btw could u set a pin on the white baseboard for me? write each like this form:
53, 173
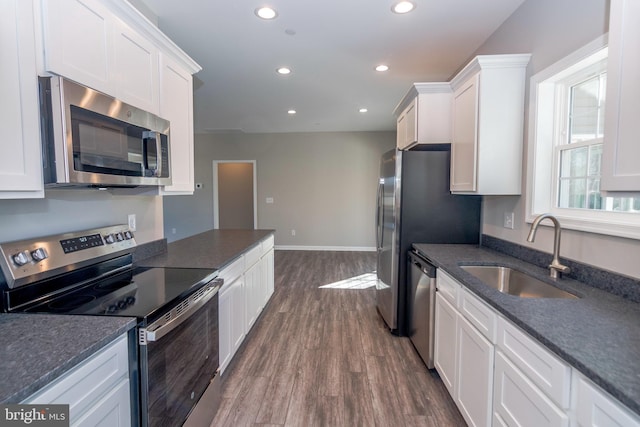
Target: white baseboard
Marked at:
325, 248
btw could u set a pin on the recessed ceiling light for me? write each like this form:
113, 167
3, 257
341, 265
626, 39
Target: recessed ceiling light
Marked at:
292, 112
284, 70
403, 6
382, 67
363, 110
266, 13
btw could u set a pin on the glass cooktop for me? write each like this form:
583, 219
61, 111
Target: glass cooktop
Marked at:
140, 292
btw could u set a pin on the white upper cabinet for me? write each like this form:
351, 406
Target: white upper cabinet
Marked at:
176, 105
86, 42
487, 125
20, 158
136, 67
620, 165
424, 115
77, 37
111, 47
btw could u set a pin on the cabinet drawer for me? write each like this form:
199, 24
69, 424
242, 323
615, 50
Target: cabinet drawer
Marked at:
518, 402
85, 383
231, 271
544, 369
479, 314
252, 255
267, 244
448, 287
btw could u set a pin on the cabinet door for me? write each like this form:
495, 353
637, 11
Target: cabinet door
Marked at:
136, 68
407, 126
518, 402
465, 136
474, 375
238, 314
77, 42
268, 274
620, 166
112, 410
594, 407
224, 327
20, 159
176, 105
253, 294
446, 326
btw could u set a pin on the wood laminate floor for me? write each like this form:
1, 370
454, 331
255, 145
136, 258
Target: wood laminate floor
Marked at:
322, 356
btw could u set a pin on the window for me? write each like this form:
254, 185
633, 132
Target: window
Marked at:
566, 140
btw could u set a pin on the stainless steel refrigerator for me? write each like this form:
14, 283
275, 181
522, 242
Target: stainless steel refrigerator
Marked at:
416, 206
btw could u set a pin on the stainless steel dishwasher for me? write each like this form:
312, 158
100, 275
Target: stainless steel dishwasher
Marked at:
421, 304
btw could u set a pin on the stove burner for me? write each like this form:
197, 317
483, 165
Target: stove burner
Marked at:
70, 304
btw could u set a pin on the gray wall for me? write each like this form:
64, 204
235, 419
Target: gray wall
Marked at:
78, 209
550, 30
323, 186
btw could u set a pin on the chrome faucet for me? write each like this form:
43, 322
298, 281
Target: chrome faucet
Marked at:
555, 266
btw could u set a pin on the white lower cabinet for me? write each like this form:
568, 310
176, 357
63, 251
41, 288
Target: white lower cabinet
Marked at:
499, 375
248, 285
594, 407
518, 402
254, 301
97, 390
446, 329
475, 374
463, 353
231, 313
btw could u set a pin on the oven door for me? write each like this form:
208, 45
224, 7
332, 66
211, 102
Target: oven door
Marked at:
179, 358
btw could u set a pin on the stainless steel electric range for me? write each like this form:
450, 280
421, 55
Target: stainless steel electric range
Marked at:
175, 358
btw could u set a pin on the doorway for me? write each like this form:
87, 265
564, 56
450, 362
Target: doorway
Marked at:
234, 194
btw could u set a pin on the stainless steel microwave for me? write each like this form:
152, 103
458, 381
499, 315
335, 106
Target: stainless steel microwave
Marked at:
94, 140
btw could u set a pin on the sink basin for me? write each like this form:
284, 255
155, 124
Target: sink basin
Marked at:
514, 282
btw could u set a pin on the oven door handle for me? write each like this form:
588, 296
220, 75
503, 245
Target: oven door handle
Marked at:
179, 313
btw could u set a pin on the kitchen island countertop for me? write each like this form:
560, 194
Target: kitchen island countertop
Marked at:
211, 249
598, 334
38, 348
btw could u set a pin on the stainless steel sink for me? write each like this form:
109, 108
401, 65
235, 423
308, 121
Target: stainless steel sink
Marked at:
514, 282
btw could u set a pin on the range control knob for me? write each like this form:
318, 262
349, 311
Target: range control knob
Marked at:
109, 238
39, 254
21, 258
128, 235
119, 237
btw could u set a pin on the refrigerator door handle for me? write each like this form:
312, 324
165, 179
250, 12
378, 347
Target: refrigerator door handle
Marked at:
378, 219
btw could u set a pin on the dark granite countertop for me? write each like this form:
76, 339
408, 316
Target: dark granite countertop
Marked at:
38, 348
212, 249
598, 334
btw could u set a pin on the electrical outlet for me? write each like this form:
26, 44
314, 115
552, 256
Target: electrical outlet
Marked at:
269, 200
293, 232
132, 222
509, 220
173, 231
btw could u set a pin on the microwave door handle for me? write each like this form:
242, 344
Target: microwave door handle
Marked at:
146, 136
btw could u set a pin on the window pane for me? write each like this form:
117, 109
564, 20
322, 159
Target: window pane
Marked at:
572, 193
595, 159
585, 110
594, 199
573, 162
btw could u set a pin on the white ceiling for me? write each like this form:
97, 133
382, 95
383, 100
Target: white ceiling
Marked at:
336, 45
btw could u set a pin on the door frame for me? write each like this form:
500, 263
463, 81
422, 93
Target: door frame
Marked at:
216, 203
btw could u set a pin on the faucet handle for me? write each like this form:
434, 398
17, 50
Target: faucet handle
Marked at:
555, 267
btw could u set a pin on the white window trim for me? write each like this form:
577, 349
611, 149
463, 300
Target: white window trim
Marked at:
540, 188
